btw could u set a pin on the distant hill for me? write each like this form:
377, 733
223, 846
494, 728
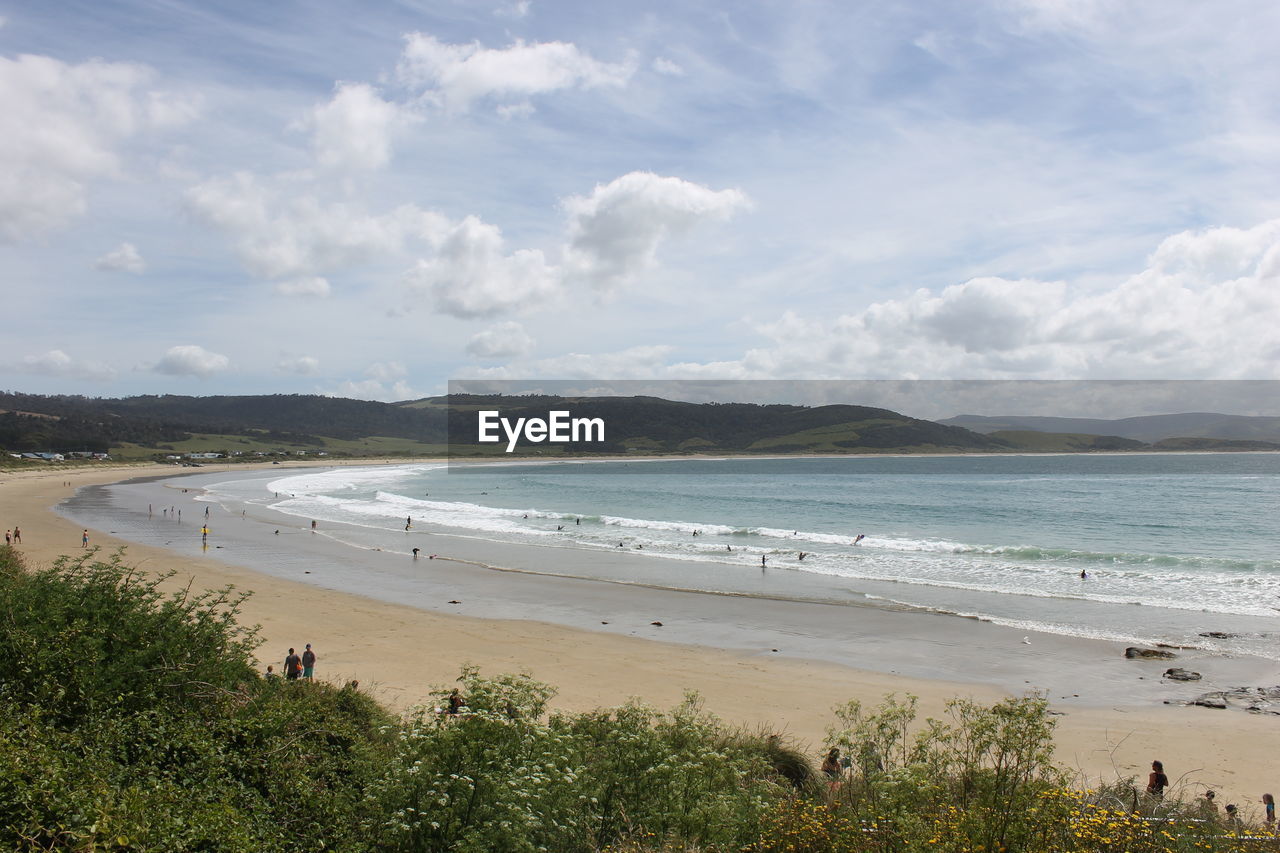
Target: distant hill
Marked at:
1149, 428
154, 425
651, 424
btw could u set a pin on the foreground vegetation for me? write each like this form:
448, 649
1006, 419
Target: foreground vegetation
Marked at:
132, 719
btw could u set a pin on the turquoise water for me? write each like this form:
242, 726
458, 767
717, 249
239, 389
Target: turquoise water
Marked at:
1000, 537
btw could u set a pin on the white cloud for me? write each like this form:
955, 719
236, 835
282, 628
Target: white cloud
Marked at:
354, 128
472, 276
124, 258
504, 340
1203, 308
279, 235
59, 130
303, 365
667, 67
311, 286
454, 75
614, 233
191, 360
55, 362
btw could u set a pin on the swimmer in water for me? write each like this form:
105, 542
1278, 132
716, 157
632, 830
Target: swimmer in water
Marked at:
861, 536
803, 555
1084, 575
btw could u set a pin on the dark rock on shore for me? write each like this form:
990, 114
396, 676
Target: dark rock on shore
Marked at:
1179, 674
1255, 700
1218, 635
1135, 653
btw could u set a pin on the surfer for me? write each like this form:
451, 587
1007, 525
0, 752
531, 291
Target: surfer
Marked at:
577, 521
1084, 575
803, 555
415, 553
763, 561
861, 536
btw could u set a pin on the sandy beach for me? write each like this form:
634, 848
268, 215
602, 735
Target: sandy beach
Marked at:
407, 639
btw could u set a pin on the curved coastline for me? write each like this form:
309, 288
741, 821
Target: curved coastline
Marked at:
1112, 727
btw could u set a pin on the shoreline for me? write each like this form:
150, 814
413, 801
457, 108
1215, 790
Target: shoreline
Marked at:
399, 649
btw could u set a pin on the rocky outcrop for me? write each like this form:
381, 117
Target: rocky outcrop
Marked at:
1255, 700
1180, 674
1135, 653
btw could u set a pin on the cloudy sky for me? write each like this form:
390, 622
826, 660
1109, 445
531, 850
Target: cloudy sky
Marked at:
368, 199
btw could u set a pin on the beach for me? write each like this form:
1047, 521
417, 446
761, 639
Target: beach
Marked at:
407, 636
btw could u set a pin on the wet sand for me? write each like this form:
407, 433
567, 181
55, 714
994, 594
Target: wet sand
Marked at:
400, 635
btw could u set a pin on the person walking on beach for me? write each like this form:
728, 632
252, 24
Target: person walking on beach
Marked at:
1270, 803
84, 539
1157, 781
17, 535
8, 538
308, 662
292, 666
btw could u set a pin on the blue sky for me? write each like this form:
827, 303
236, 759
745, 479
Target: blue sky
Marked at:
370, 199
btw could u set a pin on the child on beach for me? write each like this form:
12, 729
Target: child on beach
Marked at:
1270, 802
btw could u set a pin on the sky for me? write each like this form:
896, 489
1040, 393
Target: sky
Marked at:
370, 199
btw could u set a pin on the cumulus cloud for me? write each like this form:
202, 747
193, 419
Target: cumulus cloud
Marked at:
354, 128
55, 362
472, 275
312, 286
279, 235
303, 365
191, 360
62, 127
614, 232
455, 75
1203, 308
124, 258
504, 340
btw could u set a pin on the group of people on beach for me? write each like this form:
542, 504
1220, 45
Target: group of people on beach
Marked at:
1158, 781
296, 665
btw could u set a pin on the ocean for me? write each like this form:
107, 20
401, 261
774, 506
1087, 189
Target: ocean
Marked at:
1173, 546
